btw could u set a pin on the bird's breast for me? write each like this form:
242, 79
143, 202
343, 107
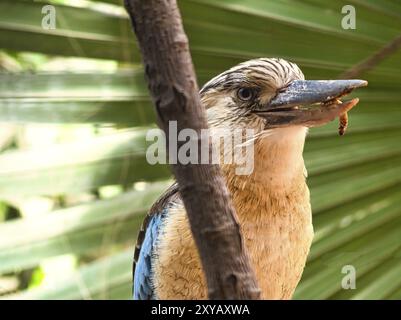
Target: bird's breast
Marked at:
278, 234
277, 230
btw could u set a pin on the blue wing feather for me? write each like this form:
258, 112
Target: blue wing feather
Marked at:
143, 286
145, 250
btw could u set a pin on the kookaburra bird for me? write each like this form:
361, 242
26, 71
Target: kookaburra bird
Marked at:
271, 97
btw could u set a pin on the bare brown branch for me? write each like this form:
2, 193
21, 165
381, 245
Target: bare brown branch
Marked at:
171, 79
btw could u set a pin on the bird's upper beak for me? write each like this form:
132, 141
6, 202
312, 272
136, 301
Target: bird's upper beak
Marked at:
309, 103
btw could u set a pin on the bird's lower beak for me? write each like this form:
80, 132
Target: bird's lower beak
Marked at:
309, 103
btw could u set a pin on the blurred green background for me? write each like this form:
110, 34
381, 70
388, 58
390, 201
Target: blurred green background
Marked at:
74, 108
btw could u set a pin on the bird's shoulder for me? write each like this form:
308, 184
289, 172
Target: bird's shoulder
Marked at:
147, 237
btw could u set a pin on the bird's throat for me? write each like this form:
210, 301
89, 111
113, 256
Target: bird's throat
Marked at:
278, 163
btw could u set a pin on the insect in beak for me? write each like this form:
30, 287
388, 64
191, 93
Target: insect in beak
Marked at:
310, 103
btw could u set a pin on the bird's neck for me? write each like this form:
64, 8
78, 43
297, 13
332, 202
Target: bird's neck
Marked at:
278, 166
274, 212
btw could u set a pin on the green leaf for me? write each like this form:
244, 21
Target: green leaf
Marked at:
109, 278
92, 226
73, 167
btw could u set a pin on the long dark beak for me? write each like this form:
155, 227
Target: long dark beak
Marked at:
309, 102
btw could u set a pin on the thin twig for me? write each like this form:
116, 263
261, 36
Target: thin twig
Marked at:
372, 61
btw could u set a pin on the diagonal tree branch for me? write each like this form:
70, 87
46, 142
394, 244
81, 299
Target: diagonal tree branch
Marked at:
372, 61
172, 83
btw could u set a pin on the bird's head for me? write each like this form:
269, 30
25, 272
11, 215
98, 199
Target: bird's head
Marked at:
272, 97
265, 94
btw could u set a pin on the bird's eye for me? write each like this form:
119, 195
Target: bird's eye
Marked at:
245, 94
